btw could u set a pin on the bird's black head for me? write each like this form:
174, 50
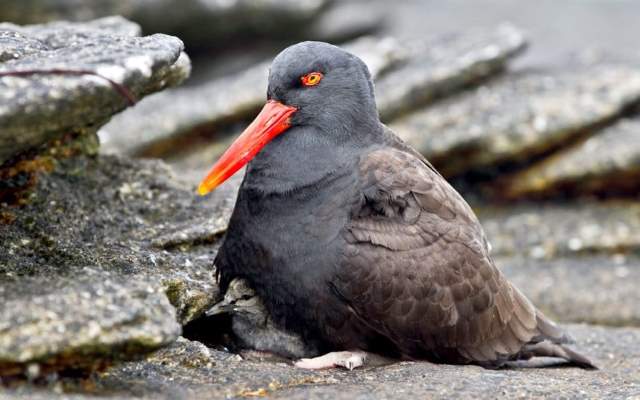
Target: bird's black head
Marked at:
323, 97
328, 86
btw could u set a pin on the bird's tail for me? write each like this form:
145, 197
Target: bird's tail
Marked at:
552, 342
549, 349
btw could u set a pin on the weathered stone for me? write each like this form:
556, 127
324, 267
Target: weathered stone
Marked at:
189, 370
519, 116
441, 65
16, 45
606, 163
83, 320
153, 127
200, 23
544, 231
39, 107
597, 289
61, 34
345, 20
131, 218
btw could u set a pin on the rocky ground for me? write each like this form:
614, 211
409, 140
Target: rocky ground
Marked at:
105, 258
188, 369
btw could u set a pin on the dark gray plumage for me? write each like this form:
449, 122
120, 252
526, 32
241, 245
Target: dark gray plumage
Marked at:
355, 242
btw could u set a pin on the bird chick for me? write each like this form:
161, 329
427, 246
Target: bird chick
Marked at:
253, 327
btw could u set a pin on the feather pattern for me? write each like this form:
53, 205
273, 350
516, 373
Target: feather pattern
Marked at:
417, 267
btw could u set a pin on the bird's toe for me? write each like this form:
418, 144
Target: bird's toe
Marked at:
346, 359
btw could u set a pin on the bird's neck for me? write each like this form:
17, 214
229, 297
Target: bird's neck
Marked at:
301, 157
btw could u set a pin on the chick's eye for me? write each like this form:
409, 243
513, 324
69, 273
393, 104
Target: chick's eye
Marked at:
311, 79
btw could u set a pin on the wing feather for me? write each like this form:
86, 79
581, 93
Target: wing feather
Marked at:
419, 267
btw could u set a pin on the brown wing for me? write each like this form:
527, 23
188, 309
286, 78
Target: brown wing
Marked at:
416, 267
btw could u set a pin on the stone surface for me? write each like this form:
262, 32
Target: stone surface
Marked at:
38, 108
131, 220
441, 65
606, 163
200, 23
515, 118
129, 217
188, 370
157, 124
596, 289
16, 45
345, 20
544, 231
83, 320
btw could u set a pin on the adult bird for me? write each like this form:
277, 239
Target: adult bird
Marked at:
354, 241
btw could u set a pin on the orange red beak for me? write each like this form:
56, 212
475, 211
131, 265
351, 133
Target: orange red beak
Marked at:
270, 122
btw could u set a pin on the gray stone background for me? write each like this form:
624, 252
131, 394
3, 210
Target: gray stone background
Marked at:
530, 108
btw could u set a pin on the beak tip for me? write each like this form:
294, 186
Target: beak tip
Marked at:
270, 122
203, 190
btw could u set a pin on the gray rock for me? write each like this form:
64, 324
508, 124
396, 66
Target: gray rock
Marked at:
157, 124
59, 34
607, 163
519, 116
188, 370
81, 321
16, 45
200, 23
596, 289
544, 231
38, 108
441, 65
132, 218
345, 20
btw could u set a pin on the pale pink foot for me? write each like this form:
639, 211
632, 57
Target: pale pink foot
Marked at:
345, 359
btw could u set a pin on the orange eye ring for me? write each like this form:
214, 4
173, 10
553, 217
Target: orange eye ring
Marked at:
312, 78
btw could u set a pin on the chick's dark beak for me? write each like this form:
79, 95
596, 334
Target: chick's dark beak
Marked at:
220, 308
270, 122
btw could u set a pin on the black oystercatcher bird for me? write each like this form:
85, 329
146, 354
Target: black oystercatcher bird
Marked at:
354, 241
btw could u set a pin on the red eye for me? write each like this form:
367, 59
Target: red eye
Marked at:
311, 79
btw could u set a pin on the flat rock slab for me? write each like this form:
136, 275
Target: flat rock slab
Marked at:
596, 289
345, 20
82, 321
189, 370
156, 125
36, 108
606, 163
516, 118
200, 23
438, 66
128, 219
543, 231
